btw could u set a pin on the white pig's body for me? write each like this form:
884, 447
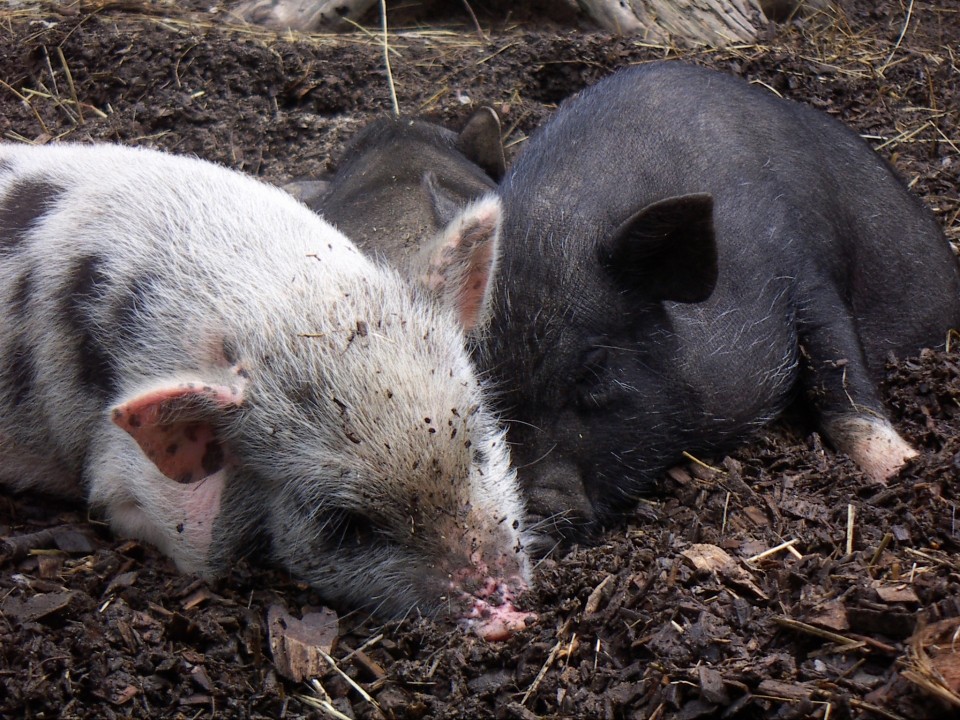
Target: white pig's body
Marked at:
285, 391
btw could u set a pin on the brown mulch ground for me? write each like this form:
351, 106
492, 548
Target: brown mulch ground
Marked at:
676, 616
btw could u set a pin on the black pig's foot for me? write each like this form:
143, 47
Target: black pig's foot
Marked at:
872, 443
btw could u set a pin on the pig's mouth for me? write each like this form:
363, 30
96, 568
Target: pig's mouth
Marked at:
491, 613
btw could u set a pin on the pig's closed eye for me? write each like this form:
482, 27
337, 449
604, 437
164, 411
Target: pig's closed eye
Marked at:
592, 365
591, 378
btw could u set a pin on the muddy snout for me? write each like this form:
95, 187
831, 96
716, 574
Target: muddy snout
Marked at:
485, 600
491, 612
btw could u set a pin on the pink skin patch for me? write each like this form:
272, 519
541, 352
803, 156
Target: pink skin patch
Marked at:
190, 511
465, 261
185, 450
496, 622
490, 611
882, 455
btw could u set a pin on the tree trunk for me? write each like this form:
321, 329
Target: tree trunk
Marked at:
693, 22
684, 22
302, 15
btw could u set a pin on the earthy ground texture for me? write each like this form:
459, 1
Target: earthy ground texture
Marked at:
779, 584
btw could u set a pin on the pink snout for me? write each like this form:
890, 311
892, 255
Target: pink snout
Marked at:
492, 614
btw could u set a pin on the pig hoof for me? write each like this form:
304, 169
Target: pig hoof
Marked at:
872, 444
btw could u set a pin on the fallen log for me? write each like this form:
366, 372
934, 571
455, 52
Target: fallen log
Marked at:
684, 22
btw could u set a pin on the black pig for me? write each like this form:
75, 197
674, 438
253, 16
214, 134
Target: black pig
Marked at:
680, 254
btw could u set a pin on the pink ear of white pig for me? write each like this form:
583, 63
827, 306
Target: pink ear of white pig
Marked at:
459, 265
174, 426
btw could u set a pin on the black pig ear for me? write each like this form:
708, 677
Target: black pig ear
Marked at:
667, 250
480, 142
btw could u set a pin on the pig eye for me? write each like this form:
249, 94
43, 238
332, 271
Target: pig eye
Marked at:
591, 379
593, 365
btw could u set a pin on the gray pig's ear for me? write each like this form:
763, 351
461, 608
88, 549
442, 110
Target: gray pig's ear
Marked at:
667, 250
459, 265
480, 142
310, 191
443, 207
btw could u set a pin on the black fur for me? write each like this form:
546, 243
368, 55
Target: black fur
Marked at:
97, 370
128, 312
22, 292
20, 373
21, 208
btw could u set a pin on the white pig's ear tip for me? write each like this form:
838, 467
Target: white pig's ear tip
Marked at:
487, 209
490, 202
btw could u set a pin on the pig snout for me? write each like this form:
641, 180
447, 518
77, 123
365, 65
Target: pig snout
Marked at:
493, 614
487, 600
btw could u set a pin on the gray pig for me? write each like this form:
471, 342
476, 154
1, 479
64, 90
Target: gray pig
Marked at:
681, 254
216, 368
400, 180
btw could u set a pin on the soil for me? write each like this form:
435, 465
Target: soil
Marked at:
678, 615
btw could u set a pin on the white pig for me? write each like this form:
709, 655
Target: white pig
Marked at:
220, 371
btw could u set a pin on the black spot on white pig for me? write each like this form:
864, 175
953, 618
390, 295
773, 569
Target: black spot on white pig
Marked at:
218, 369
400, 180
680, 254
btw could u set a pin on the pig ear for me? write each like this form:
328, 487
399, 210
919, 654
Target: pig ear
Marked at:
458, 266
480, 142
175, 426
667, 250
443, 206
307, 190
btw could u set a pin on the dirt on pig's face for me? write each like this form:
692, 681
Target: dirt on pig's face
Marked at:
381, 494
